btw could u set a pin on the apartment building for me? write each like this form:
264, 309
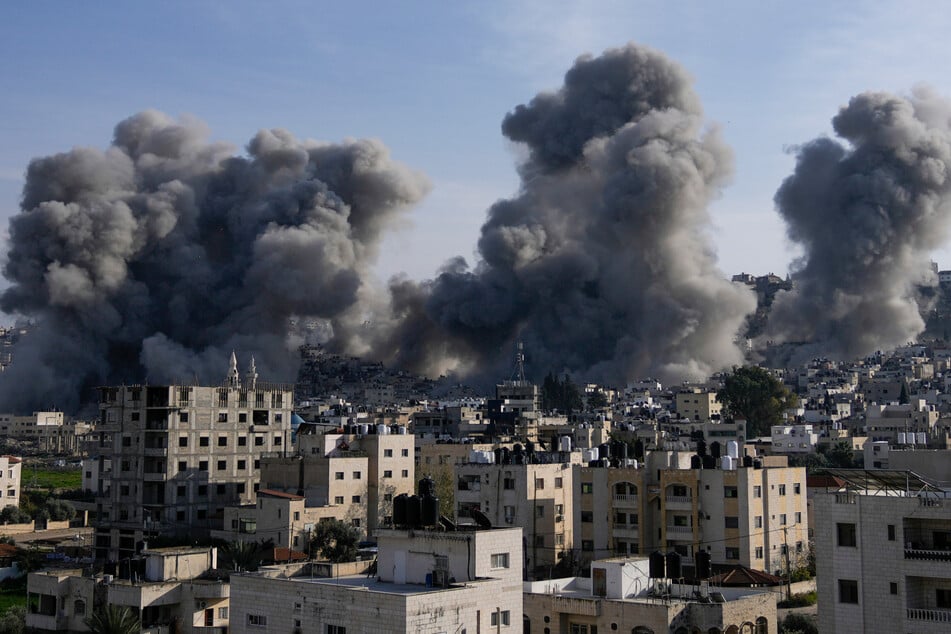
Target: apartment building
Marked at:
620, 596
536, 497
460, 580
46, 432
739, 514
177, 455
883, 551
172, 591
793, 439
698, 404
10, 473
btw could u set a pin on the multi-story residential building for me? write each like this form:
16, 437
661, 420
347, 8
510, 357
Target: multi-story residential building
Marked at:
537, 497
10, 473
883, 552
740, 514
794, 439
46, 432
887, 422
698, 404
168, 592
179, 454
426, 581
620, 596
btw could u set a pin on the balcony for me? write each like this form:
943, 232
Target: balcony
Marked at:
625, 500
626, 530
921, 554
684, 502
154, 476
158, 452
679, 532
928, 614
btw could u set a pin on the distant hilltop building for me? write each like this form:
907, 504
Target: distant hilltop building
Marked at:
172, 457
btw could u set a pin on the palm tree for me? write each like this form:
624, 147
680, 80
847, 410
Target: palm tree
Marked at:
113, 619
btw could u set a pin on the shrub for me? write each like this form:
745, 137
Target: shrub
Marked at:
799, 600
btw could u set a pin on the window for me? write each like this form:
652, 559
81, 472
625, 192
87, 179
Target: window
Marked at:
277, 439
203, 441
222, 465
586, 487
259, 441
221, 489
183, 441
757, 491
539, 511
180, 491
845, 534
559, 483
539, 483
500, 560
797, 488
257, 620
732, 553
183, 417
338, 475
338, 499
848, 591
355, 522
759, 552
356, 499
242, 465
729, 492
203, 465
387, 453
798, 517
500, 617
731, 521
891, 532
79, 607
943, 598
222, 441
356, 475
758, 521
587, 516
336, 629
782, 489
388, 474
127, 441
243, 417
296, 516
587, 545
508, 484
222, 417
404, 453
242, 441
893, 588
782, 519
405, 473
222, 613
202, 489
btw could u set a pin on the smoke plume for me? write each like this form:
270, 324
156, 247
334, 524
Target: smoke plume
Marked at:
157, 257
867, 214
601, 263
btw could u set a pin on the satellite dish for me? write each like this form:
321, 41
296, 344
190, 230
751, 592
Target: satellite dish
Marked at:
481, 519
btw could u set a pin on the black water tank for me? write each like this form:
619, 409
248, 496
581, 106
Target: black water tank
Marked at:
757, 463
709, 462
673, 565
399, 510
715, 448
412, 511
747, 460
427, 487
639, 449
702, 447
703, 564
656, 565
696, 462
499, 454
506, 456
429, 510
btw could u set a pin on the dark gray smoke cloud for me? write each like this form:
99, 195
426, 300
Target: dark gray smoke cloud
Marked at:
601, 263
157, 257
868, 214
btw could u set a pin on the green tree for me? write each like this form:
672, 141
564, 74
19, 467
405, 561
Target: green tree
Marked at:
60, 510
29, 559
444, 477
903, 396
13, 515
336, 541
239, 556
13, 620
752, 393
798, 624
841, 455
597, 400
113, 619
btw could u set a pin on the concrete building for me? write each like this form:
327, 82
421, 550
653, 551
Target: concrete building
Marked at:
887, 422
10, 474
426, 581
740, 515
177, 455
45, 432
698, 404
620, 596
794, 439
172, 593
883, 551
536, 497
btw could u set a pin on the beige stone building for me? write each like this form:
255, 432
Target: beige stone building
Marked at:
426, 581
737, 514
47, 432
172, 593
883, 552
10, 474
698, 404
536, 497
619, 596
174, 456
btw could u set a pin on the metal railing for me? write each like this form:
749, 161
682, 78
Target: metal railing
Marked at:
927, 614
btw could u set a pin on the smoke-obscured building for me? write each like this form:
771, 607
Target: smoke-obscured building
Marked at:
174, 456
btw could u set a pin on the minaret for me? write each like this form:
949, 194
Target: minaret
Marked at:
251, 378
234, 379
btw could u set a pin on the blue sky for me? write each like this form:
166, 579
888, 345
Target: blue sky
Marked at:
433, 80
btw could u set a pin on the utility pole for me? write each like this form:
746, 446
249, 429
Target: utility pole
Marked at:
788, 571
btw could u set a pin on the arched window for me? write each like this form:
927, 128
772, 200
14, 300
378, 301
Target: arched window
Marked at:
714, 630
526, 624
732, 630
79, 607
762, 625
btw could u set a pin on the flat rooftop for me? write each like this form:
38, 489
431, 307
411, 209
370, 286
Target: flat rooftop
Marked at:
362, 583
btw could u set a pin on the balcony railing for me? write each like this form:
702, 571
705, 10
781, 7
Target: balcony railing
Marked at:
679, 531
927, 555
625, 499
679, 501
927, 614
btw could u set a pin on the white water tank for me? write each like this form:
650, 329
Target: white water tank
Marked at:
901, 438
402, 429
382, 430
922, 438
910, 438
564, 443
733, 449
726, 463
363, 429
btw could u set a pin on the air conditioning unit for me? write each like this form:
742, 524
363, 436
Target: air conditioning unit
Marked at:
202, 604
660, 586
